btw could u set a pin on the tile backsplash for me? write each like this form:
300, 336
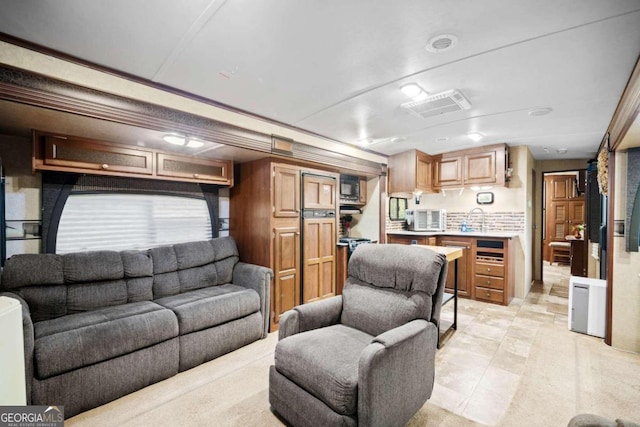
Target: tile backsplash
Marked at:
509, 222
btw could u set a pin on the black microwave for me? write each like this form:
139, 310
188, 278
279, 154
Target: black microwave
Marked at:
349, 189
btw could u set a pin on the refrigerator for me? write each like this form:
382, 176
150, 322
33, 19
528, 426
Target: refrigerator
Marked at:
319, 233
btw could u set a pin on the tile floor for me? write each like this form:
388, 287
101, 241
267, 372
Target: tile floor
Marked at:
480, 366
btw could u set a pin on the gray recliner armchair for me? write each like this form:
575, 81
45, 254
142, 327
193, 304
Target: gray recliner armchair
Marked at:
366, 357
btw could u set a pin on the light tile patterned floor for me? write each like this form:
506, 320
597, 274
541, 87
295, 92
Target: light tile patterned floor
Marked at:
480, 366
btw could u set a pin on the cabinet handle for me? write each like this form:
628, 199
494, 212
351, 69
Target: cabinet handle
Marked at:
488, 282
195, 175
488, 294
104, 166
488, 269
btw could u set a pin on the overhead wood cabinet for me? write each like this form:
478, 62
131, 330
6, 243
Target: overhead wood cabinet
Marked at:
80, 155
265, 220
478, 166
410, 171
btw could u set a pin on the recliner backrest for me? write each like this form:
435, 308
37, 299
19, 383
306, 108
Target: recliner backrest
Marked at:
389, 285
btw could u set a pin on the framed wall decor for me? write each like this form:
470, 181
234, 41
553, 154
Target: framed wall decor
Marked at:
484, 198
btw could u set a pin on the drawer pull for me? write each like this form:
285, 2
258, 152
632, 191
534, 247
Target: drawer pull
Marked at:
488, 269
488, 294
488, 282
195, 175
104, 166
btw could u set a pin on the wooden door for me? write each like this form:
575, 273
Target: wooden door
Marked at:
319, 192
319, 264
464, 266
424, 172
480, 168
286, 269
286, 192
448, 172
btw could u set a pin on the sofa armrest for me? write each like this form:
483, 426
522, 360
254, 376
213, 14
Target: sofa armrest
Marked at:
258, 278
396, 373
314, 315
29, 337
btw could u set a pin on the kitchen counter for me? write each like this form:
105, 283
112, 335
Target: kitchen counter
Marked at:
496, 234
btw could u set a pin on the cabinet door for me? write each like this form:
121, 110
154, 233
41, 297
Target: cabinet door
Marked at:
576, 212
319, 192
407, 240
464, 266
559, 221
480, 168
68, 154
424, 172
448, 172
286, 270
191, 168
363, 191
319, 261
561, 187
286, 192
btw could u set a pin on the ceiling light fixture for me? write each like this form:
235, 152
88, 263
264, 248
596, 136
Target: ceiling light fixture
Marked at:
441, 43
540, 111
413, 91
183, 141
561, 150
475, 136
442, 139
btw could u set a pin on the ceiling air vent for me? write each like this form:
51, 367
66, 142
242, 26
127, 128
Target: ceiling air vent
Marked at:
442, 103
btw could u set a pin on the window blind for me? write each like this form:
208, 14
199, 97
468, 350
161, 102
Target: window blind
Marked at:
107, 221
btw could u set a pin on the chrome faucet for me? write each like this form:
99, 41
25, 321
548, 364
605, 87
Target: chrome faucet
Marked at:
482, 228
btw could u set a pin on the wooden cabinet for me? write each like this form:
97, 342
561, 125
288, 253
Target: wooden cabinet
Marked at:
342, 255
363, 191
448, 172
410, 171
70, 154
485, 270
464, 264
493, 271
319, 259
411, 240
479, 166
188, 168
319, 192
265, 220
79, 155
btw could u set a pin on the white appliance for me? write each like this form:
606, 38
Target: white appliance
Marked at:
12, 383
587, 305
426, 219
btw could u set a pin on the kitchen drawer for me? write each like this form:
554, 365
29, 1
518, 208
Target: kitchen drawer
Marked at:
491, 295
489, 282
496, 270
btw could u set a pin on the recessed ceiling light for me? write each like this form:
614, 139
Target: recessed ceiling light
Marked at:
441, 43
194, 143
174, 139
546, 149
475, 136
397, 139
561, 150
442, 139
412, 90
540, 111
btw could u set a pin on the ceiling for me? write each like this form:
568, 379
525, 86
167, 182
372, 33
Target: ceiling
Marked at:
336, 68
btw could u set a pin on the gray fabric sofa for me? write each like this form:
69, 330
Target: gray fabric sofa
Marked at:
366, 357
99, 325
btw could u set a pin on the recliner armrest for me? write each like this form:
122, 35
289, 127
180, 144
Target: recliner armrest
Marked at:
29, 337
396, 374
258, 278
310, 316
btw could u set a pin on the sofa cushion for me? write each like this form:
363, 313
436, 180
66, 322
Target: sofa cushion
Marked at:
325, 363
212, 306
82, 339
375, 310
32, 270
92, 266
